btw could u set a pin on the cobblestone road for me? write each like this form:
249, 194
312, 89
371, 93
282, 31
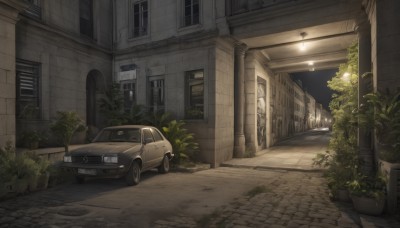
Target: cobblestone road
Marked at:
262, 199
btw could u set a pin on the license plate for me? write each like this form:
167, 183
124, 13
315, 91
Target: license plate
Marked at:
87, 171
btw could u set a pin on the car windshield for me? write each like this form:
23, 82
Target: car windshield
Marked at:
119, 135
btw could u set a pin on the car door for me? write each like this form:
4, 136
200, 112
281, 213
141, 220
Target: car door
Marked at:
150, 149
161, 147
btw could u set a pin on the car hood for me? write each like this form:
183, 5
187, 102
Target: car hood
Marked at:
107, 148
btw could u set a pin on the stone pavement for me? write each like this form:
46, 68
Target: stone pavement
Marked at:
272, 198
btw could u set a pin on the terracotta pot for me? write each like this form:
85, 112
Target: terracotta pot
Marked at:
368, 206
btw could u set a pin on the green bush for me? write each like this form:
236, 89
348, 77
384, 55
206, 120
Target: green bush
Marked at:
65, 126
183, 143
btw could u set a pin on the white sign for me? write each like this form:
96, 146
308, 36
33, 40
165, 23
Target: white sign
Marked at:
126, 75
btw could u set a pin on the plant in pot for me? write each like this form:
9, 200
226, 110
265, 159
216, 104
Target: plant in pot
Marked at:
66, 125
368, 194
31, 139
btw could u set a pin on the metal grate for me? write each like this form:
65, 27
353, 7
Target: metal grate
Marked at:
87, 159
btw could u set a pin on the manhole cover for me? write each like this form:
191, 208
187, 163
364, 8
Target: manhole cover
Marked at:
73, 211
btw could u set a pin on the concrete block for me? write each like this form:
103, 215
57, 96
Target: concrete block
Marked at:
10, 106
10, 125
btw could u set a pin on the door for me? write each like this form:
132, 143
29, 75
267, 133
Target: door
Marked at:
150, 150
156, 94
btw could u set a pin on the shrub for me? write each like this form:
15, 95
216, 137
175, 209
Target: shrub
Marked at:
183, 144
65, 126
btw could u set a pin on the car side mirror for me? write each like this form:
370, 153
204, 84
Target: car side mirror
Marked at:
148, 140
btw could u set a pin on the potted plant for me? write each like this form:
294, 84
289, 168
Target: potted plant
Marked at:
31, 139
65, 126
368, 194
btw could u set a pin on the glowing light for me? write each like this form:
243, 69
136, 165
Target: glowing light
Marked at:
346, 77
311, 63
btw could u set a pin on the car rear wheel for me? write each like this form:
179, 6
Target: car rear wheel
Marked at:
164, 167
133, 176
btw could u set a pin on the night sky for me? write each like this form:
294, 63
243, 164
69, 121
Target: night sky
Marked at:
315, 82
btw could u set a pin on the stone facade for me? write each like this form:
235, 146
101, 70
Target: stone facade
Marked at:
243, 102
66, 58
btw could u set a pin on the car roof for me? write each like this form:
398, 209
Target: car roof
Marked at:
128, 126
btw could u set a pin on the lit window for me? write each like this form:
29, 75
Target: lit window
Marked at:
139, 19
194, 83
86, 17
191, 12
28, 99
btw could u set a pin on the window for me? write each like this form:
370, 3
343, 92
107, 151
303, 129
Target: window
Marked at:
194, 86
34, 10
28, 99
147, 136
156, 94
129, 93
191, 12
86, 17
139, 19
157, 136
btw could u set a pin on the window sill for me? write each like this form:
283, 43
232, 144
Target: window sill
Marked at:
190, 29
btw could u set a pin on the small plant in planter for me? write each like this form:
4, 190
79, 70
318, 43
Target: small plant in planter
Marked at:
368, 194
65, 126
31, 139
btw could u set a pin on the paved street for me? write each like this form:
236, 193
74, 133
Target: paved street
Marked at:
223, 197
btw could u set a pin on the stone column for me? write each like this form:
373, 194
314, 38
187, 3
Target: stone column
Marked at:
9, 10
364, 87
239, 147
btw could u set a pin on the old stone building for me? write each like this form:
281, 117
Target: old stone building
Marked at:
221, 65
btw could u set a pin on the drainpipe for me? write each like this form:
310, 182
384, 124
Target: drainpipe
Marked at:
239, 146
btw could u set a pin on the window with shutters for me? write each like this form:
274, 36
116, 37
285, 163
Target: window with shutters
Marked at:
28, 90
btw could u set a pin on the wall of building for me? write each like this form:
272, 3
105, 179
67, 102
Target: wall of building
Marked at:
165, 21
8, 18
65, 58
299, 108
257, 98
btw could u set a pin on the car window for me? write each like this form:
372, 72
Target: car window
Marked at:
157, 136
147, 136
119, 135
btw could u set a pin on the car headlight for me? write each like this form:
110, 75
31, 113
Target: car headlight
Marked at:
67, 159
110, 159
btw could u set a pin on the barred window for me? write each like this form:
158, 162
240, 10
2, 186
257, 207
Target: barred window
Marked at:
139, 19
194, 83
28, 99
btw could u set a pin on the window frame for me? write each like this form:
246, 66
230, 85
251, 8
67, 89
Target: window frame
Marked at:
34, 10
89, 34
36, 98
188, 95
131, 18
192, 23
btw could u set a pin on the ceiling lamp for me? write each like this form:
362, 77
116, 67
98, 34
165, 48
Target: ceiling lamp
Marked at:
311, 63
302, 44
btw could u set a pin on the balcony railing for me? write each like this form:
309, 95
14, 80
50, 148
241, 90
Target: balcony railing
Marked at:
242, 6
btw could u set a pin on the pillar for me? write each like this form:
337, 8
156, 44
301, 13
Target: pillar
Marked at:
9, 11
364, 87
239, 147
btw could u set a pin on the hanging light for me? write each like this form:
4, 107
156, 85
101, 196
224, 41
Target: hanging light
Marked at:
303, 44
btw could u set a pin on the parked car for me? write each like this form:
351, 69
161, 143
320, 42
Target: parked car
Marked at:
121, 151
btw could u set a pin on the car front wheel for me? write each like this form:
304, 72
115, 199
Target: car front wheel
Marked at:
133, 176
164, 167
